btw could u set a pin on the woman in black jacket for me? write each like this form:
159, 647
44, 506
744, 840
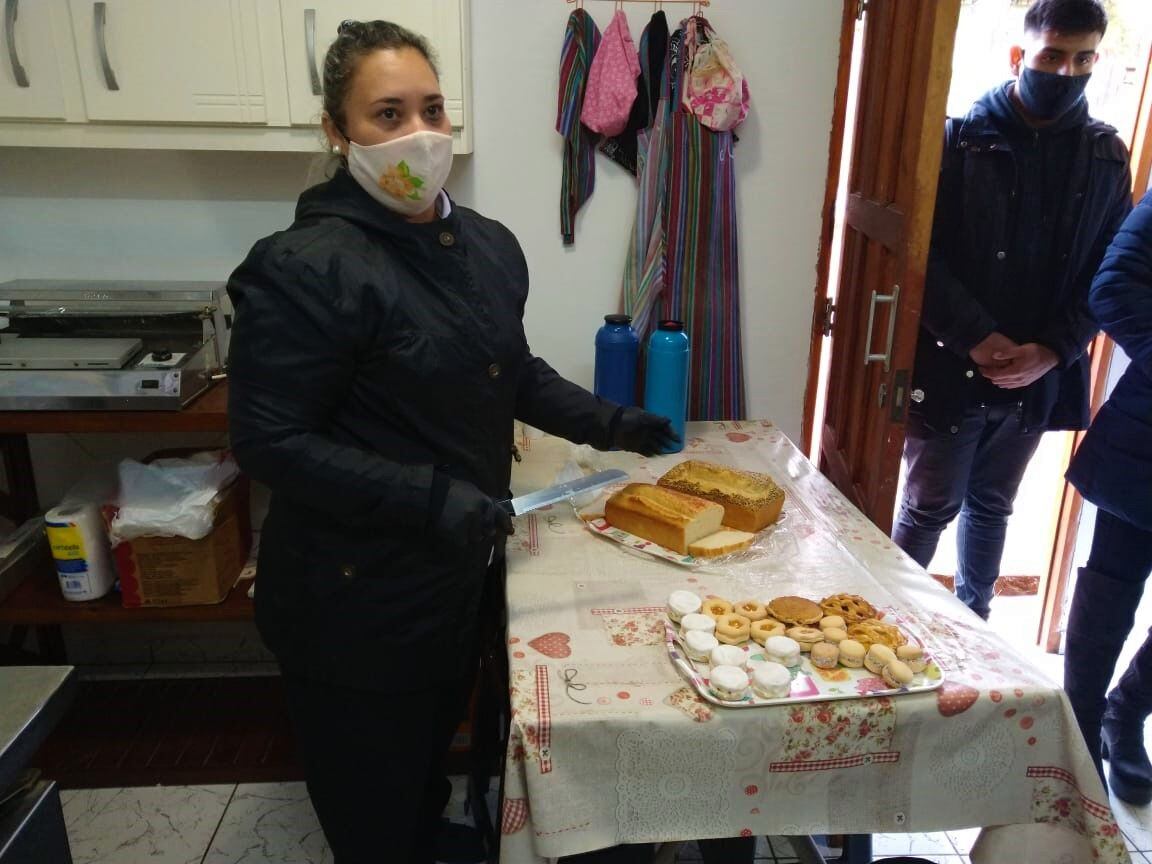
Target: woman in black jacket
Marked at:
378, 362
1113, 470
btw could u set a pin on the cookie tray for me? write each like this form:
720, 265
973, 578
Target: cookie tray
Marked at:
808, 683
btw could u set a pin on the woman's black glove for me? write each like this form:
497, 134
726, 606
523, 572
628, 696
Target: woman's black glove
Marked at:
642, 432
469, 517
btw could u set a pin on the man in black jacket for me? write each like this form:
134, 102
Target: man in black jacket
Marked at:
1031, 192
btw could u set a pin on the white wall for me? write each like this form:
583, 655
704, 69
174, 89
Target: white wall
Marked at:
146, 215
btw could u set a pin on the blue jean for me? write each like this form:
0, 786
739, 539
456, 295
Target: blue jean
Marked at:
974, 471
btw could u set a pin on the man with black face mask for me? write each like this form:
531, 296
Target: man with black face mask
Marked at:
1031, 192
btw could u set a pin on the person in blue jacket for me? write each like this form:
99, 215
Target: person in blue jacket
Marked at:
1113, 470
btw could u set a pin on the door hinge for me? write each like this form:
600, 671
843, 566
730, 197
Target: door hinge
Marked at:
829, 316
861, 8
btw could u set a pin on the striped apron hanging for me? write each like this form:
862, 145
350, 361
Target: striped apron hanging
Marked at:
581, 39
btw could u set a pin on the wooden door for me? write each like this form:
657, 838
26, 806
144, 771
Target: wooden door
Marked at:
310, 26
173, 61
906, 69
34, 46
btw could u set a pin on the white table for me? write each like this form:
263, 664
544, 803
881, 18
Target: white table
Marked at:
609, 744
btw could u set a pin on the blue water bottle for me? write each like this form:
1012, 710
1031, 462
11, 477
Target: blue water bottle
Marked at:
617, 346
666, 378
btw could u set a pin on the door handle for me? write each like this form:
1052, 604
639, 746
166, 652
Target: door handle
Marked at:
100, 12
310, 47
891, 299
11, 9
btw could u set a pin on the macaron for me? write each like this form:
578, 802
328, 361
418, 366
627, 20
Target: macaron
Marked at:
878, 657
681, 603
771, 680
699, 645
913, 655
728, 683
851, 654
835, 635
897, 674
825, 655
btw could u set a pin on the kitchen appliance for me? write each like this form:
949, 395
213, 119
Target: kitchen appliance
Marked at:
103, 345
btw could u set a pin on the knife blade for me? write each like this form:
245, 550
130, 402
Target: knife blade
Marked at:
522, 504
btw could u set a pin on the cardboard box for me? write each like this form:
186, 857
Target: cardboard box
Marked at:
176, 571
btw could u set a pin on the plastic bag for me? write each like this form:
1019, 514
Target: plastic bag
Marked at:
171, 497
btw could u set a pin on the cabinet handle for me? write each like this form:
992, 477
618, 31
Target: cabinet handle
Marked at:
100, 10
11, 8
310, 47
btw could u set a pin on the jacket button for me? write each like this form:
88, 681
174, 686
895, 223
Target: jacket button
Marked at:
939, 344
494, 370
955, 429
993, 146
1001, 255
969, 374
348, 571
917, 395
447, 238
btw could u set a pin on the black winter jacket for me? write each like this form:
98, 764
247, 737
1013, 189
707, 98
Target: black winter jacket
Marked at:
1113, 467
369, 356
1022, 221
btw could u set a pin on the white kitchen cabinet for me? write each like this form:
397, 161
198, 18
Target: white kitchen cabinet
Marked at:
310, 26
197, 74
175, 61
36, 58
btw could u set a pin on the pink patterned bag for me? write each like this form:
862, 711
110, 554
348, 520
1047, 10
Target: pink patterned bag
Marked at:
715, 89
612, 80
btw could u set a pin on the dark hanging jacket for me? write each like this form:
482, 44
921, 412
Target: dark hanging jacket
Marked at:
1023, 217
371, 359
1113, 467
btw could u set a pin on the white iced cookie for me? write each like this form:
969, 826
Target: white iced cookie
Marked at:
681, 603
729, 655
728, 683
699, 645
771, 680
782, 650
696, 621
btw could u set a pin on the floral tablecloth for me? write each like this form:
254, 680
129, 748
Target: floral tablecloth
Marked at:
610, 745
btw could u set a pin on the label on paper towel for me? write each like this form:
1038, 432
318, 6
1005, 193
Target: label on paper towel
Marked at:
70, 555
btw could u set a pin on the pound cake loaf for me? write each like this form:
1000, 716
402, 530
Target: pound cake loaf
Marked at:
750, 501
664, 516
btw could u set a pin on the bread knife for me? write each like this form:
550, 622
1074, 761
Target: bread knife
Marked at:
561, 492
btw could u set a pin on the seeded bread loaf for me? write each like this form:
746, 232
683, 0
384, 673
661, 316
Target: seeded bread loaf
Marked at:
664, 516
750, 501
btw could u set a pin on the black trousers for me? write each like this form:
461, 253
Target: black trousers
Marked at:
374, 764
973, 470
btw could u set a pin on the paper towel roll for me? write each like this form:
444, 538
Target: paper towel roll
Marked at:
80, 548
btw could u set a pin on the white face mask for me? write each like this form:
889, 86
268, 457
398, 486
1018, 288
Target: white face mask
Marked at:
405, 174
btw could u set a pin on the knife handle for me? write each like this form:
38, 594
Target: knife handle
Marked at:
506, 506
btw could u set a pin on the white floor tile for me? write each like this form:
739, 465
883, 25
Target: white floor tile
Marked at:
160, 825
963, 839
912, 844
268, 822
1135, 822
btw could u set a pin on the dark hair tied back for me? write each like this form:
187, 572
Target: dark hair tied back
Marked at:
355, 40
